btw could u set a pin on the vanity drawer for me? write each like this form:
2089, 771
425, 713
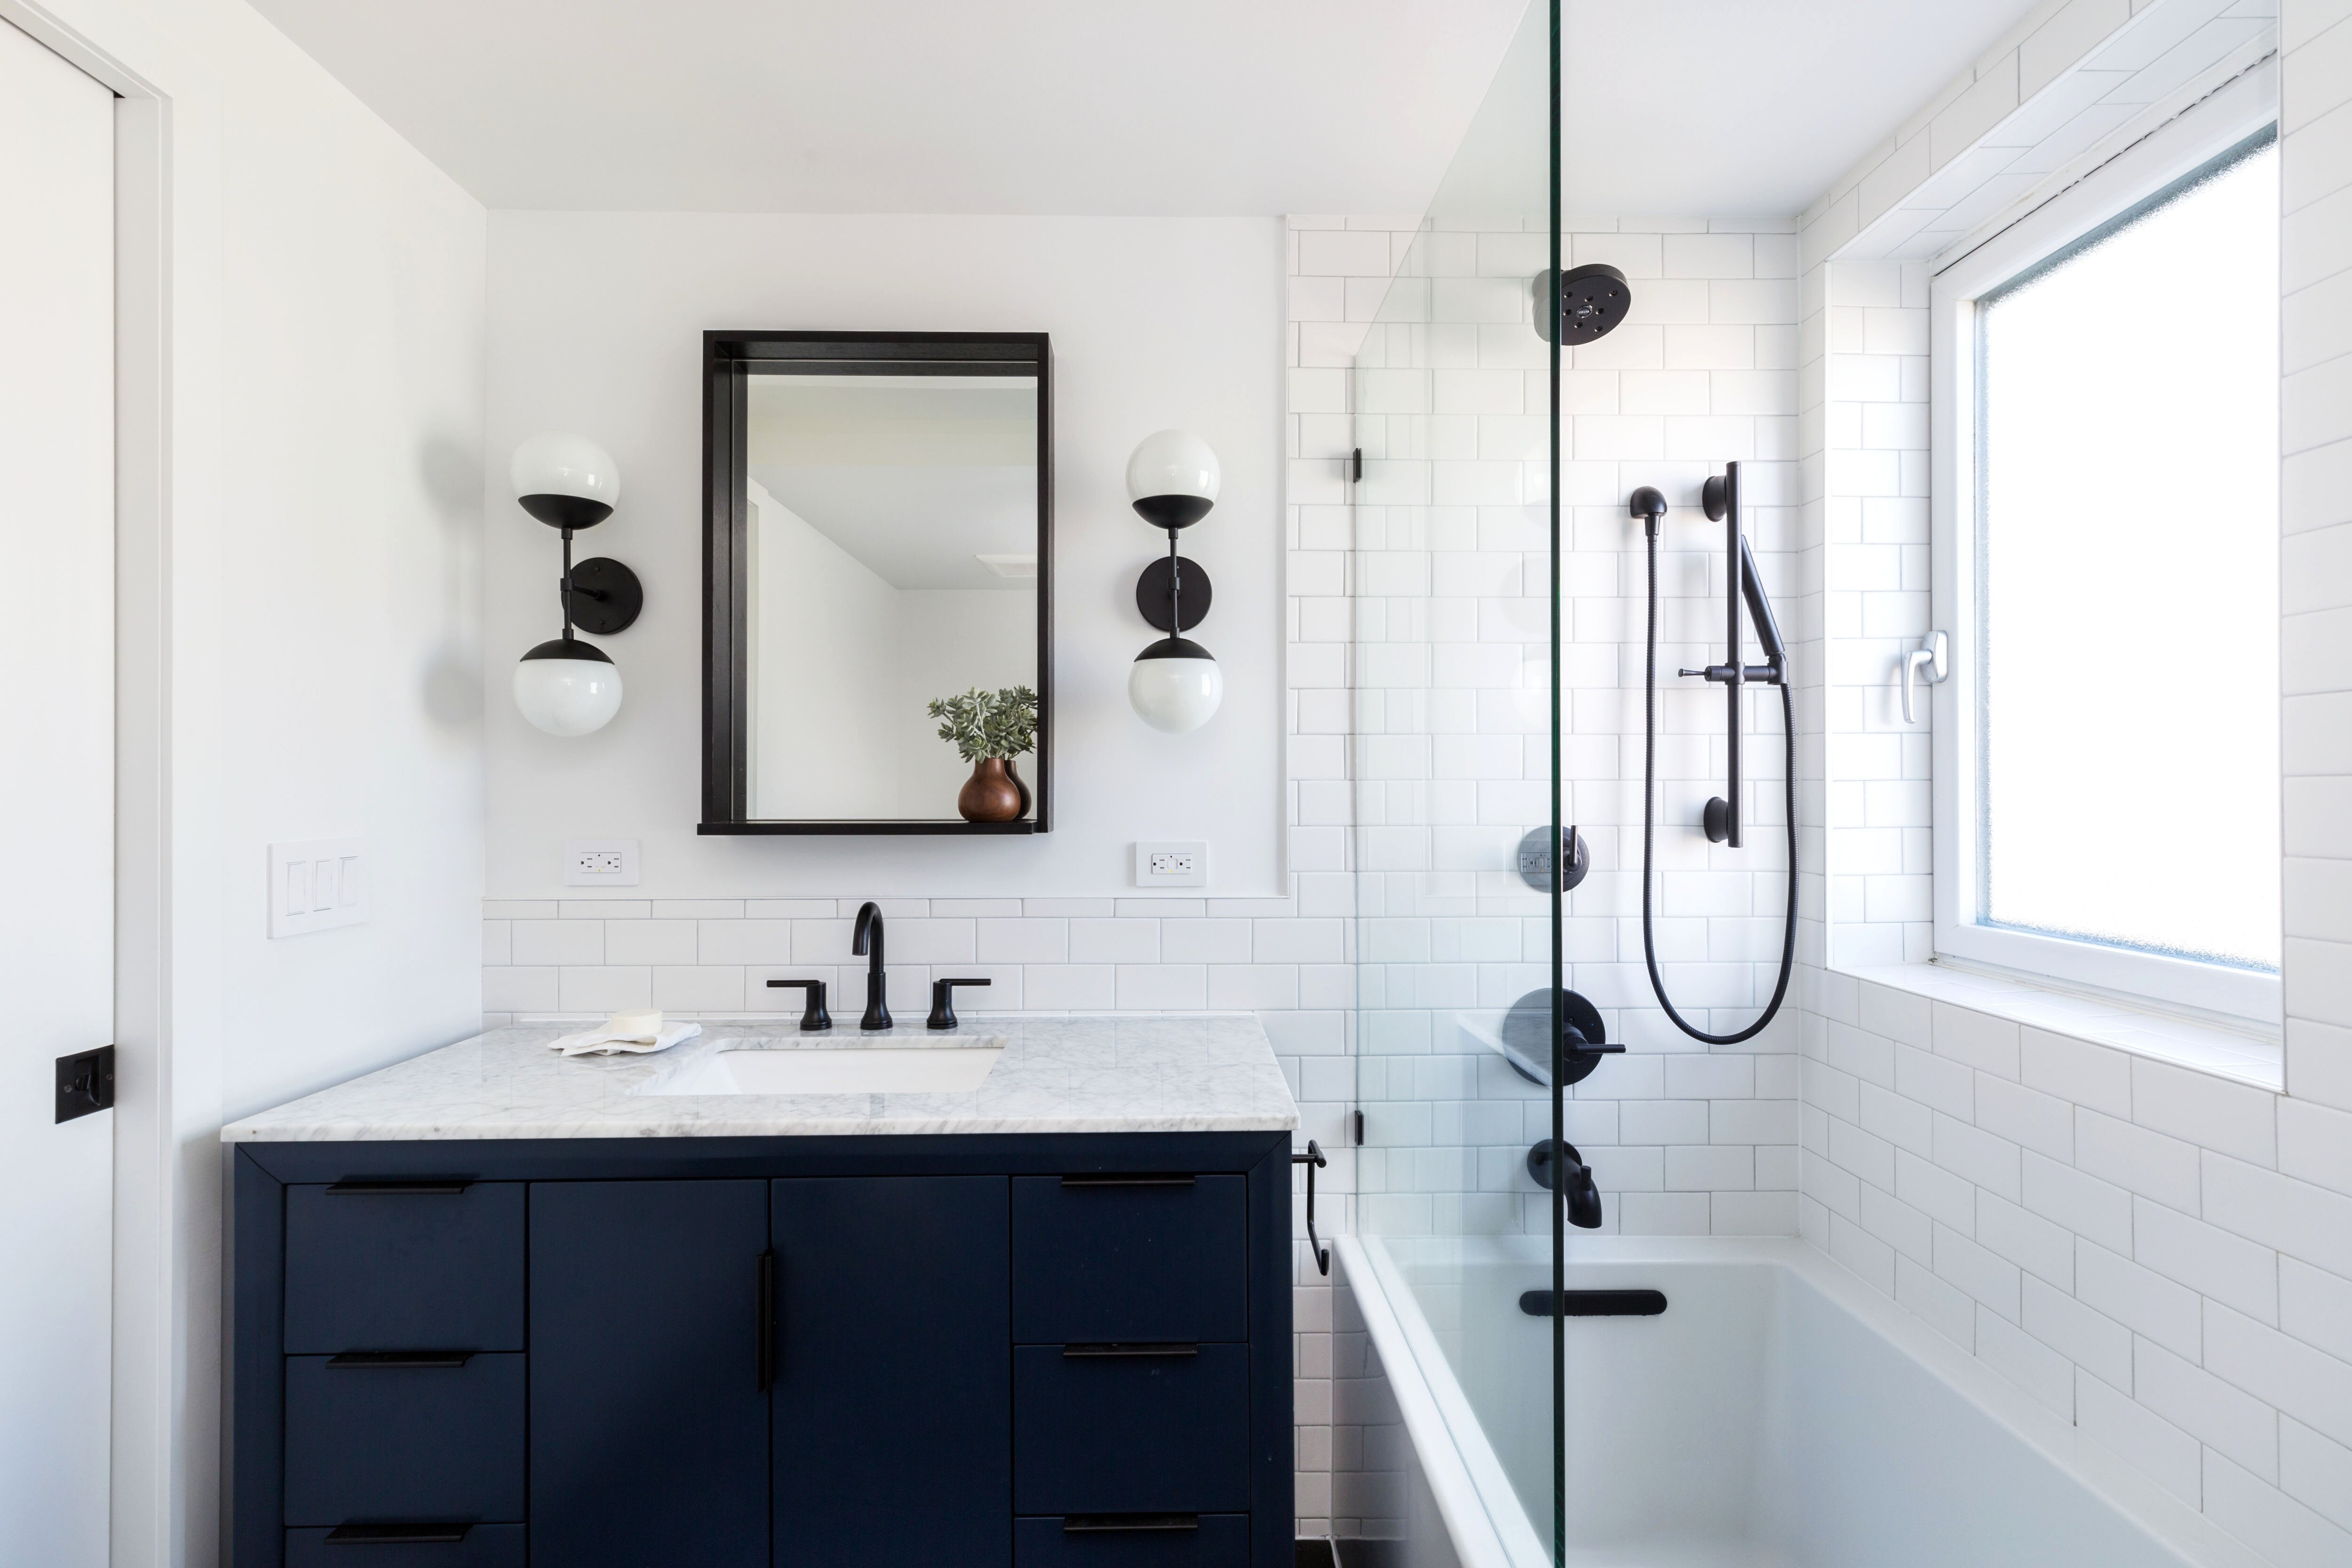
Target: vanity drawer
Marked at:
1213, 1541
420, 1266
483, 1546
1097, 1433
1127, 1257
370, 1441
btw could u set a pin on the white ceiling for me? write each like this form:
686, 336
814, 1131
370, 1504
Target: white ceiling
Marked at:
1121, 106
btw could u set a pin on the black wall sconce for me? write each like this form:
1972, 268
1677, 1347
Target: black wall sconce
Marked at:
1175, 685
564, 685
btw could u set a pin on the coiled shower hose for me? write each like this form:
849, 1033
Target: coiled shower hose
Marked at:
1649, 822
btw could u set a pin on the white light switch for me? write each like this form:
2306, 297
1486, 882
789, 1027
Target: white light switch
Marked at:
1172, 864
316, 883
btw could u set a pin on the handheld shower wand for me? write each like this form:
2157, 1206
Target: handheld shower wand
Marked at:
1721, 819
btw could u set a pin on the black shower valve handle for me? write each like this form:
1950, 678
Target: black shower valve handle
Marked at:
1573, 1041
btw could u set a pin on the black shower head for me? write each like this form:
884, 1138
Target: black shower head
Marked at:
1593, 299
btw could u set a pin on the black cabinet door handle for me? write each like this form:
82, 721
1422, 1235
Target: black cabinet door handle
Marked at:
1124, 1180
421, 1187
405, 1534
1127, 1351
1110, 1523
767, 1360
400, 1359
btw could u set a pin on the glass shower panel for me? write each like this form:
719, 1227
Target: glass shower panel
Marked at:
1454, 757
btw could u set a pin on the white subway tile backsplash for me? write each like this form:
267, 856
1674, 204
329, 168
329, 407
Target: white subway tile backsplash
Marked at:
558, 942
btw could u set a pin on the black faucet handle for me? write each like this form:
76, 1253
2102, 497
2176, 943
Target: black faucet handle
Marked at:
943, 1002
816, 1018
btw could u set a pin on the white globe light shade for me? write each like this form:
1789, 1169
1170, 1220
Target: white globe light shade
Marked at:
567, 695
1176, 691
1173, 479
558, 465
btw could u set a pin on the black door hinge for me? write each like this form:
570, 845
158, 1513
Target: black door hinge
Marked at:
85, 1083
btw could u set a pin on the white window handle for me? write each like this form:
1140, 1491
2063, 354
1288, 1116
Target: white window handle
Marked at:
1931, 662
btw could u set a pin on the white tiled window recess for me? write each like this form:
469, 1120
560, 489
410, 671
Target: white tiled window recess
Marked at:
2105, 567
1914, 412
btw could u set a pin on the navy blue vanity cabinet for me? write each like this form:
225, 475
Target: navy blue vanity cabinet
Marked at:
849, 1352
648, 1422
893, 1406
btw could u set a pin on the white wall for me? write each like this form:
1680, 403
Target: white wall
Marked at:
302, 344
596, 323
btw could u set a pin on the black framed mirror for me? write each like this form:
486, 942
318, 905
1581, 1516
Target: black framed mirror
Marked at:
877, 567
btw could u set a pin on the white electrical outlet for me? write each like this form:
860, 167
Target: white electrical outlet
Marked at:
1179, 864
316, 884
599, 862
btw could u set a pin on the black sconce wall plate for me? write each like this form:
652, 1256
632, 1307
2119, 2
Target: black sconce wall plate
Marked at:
1151, 593
606, 597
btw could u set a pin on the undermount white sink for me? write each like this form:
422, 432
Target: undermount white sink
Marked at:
850, 1069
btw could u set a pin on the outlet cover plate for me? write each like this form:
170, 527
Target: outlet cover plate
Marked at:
1172, 863
316, 884
599, 862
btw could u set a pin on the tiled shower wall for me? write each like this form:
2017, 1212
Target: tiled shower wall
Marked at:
1447, 399
2160, 1255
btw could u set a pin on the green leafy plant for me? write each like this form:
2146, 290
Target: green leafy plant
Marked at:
988, 723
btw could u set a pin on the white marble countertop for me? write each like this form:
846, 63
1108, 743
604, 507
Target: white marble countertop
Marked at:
1167, 1073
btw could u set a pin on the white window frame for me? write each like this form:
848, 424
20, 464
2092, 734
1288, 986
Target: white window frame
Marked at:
2204, 133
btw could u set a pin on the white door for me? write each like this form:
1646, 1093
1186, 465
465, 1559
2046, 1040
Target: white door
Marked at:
56, 797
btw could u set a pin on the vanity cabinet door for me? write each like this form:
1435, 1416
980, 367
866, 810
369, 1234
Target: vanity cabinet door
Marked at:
894, 1373
649, 1420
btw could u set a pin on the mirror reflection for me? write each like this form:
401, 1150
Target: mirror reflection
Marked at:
892, 538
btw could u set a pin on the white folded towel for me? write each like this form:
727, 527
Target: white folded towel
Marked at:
633, 1033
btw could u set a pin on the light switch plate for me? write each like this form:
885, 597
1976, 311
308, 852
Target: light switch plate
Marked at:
599, 862
316, 884
1172, 863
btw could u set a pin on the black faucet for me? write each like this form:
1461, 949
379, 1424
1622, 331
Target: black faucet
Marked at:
865, 942
1547, 1162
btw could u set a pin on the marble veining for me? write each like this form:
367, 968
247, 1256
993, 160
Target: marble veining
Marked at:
1191, 1073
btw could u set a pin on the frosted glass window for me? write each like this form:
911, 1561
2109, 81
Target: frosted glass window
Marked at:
2127, 571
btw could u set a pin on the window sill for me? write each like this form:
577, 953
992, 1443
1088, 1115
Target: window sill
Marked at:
2245, 1057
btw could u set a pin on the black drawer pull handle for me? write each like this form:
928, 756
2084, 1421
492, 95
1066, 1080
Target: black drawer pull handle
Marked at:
397, 1534
1126, 1180
1106, 1523
401, 1358
766, 1360
422, 1187
1594, 1303
1127, 1352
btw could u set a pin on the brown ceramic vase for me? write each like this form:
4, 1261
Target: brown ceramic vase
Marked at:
991, 794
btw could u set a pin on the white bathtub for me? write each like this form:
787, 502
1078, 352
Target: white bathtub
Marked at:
1780, 1414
